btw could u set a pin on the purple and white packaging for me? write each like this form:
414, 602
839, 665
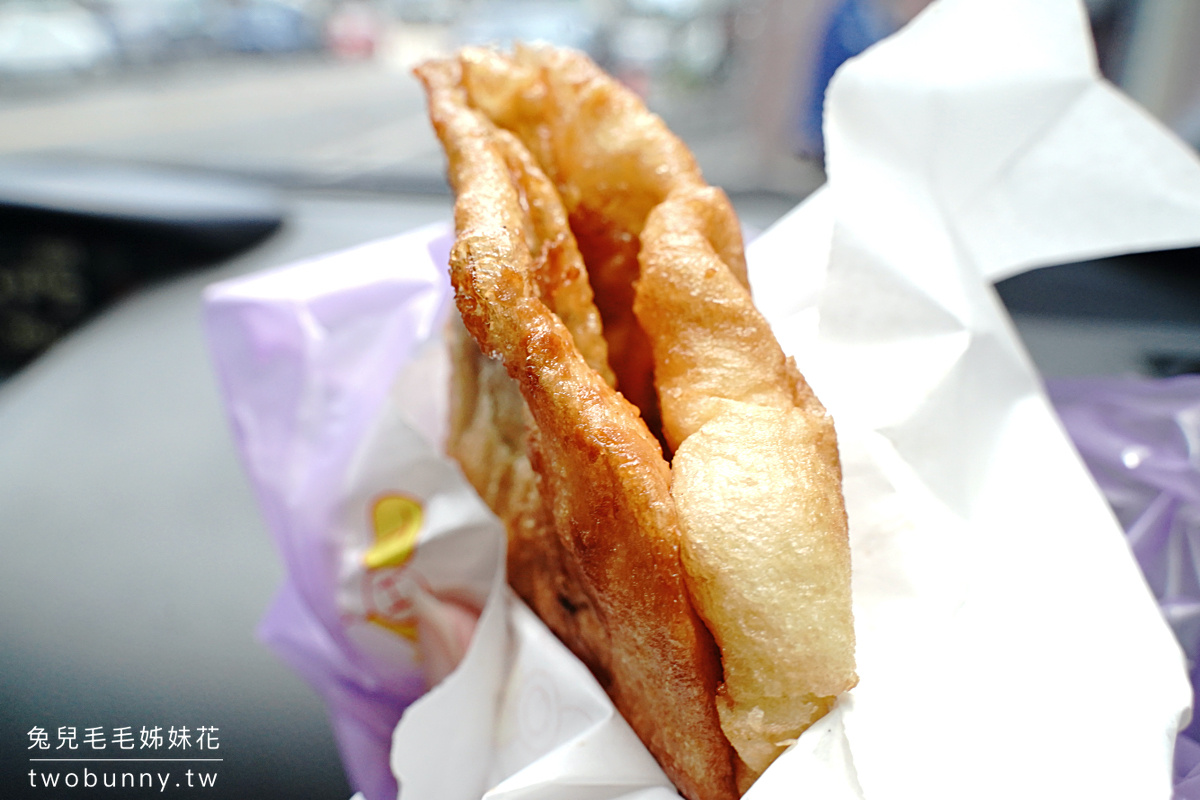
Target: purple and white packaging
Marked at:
1141, 440
328, 372
1008, 645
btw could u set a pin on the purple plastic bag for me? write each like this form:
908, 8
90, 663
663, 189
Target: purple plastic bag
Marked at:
306, 356
1141, 440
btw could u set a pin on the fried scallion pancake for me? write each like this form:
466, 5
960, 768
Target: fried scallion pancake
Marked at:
490, 422
600, 473
756, 480
641, 568
612, 162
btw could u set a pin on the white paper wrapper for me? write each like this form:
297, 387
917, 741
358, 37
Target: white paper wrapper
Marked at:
1007, 644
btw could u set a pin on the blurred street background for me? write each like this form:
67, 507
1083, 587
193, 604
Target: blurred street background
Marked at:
151, 147
318, 92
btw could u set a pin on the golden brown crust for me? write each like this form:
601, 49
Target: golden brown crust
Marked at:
641, 568
756, 480
600, 472
490, 424
489, 437
612, 162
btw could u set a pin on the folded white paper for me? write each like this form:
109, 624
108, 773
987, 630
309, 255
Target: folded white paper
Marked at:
1007, 644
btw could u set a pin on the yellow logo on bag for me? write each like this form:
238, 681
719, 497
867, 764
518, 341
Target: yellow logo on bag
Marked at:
397, 520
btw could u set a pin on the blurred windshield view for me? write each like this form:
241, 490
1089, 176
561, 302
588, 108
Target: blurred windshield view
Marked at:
151, 147
317, 92
317, 95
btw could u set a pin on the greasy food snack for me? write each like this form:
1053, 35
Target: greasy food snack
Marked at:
644, 568
756, 480
602, 477
611, 161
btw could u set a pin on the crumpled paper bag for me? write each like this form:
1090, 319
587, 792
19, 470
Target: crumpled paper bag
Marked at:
1008, 645
1140, 438
1004, 629
384, 543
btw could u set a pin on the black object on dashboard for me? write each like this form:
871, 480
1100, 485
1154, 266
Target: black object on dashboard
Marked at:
76, 235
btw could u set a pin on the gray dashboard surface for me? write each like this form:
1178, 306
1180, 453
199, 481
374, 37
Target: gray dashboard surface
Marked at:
135, 566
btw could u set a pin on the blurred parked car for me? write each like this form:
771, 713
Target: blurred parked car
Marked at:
354, 30
160, 30
268, 26
52, 37
568, 23
425, 11
692, 38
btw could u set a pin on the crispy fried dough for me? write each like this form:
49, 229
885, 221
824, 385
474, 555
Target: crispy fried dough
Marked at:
546, 151
756, 480
600, 473
489, 437
612, 162
490, 423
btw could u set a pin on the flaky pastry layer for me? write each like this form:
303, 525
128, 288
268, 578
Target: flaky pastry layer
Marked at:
711, 595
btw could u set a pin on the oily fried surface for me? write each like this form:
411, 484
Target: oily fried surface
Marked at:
600, 473
490, 423
559, 272
612, 162
489, 438
756, 480
555, 166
